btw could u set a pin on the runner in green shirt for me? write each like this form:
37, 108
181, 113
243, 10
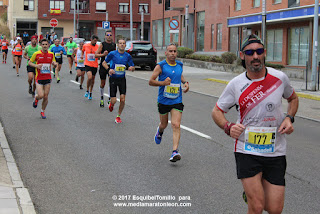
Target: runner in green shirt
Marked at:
70, 47
28, 52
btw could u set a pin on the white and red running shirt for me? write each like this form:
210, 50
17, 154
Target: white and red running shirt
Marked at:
259, 106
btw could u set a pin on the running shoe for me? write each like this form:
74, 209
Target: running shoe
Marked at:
58, 79
70, 72
33, 94
14, 66
30, 89
90, 96
101, 103
111, 107
42, 115
2, 62
77, 78
86, 94
158, 137
81, 87
17, 74
175, 156
118, 120
244, 196
5, 62
35, 103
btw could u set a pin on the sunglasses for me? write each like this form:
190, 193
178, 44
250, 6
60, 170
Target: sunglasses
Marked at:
109, 34
250, 52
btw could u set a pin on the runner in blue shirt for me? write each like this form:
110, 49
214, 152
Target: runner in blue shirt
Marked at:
170, 78
58, 51
117, 73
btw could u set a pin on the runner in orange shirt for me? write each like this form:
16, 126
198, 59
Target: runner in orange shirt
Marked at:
18, 53
4, 45
91, 63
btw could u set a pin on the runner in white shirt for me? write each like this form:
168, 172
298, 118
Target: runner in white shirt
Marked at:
12, 43
80, 67
259, 133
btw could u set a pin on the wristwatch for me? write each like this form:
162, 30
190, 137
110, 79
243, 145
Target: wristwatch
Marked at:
291, 118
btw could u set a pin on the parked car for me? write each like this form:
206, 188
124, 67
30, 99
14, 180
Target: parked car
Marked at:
78, 40
143, 53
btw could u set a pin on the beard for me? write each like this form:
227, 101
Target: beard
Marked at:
255, 68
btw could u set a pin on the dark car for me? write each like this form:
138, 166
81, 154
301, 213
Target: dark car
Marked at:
143, 53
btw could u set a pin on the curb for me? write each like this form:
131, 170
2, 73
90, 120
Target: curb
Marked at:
300, 94
22, 194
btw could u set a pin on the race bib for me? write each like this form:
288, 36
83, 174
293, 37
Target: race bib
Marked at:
57, 55
171, 91
91, 57
80, 61
18, 49
45, 69
4, 44
260, 139
70, 50
120, 69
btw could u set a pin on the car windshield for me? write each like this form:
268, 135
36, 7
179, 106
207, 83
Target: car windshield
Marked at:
78, 40
142, 46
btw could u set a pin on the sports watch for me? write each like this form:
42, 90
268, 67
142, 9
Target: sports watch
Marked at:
291, 118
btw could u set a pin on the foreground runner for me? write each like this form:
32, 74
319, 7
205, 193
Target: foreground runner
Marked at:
18, 48
70, 47
43, 60
105, 47
259, 133
4, 47
117, 73
80, 68
170, 78
58, 52
28, 52
91, 64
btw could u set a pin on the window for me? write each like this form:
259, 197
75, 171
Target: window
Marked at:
83, 6
28, 4
298, 45
237, 5
144, 7
256, 3
1, 3
160, 1
101, 6
293, 3
277, 1
57, 4
124, 8
167, 5
219, 36
274, 45
212, 36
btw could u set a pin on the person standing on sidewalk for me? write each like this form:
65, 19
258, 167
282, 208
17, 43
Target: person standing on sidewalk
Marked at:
4, 47
170, 79
70, 47
105, 47
43, 60
28, 52
259, 133
58, 52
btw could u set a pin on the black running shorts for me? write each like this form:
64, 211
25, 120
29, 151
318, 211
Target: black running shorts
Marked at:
103, 72
273, 168
43, 82
5, 51
31, 69
59, 60
115, 83
91, 69
165, 109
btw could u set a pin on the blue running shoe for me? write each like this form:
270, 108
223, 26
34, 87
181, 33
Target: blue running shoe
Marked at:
158, 137
86, 94
175, 156
90, 96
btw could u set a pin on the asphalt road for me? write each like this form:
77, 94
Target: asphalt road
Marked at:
78, 159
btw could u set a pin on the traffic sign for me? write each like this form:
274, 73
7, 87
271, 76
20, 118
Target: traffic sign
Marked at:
54, 22
174, 24
105, 25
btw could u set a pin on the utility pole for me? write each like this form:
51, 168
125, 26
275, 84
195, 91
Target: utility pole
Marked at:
264, 20
74, 18
186, 17
142, 24
78, 33
315, 46
131, 23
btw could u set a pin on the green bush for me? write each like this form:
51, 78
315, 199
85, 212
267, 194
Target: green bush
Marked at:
216, 59
182, 52
276, 66
239, 61
228, 57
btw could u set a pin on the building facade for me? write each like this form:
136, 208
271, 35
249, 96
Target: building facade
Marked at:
89, 17
289, 31
204, 28
22, 16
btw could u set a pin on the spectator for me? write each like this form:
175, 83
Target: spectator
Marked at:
40, 37
25, 37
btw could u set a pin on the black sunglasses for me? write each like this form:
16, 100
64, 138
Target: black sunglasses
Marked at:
109, 34
250, 52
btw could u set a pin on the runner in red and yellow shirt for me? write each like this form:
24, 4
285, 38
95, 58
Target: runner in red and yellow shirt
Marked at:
42, 61
91, 64
4, 46
18, 48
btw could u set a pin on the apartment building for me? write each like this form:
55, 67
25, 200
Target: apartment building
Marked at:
91, 14
289, 28
204, 29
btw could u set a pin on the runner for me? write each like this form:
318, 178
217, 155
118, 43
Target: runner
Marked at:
259, 133
117, 73
4, 47
28, 52
169, 74
91, 63
18, 49
80, 67
58, 51
105, 47
43, 60
70, 47
12, 43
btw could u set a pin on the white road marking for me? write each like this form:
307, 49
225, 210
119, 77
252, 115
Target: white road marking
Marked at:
74, 82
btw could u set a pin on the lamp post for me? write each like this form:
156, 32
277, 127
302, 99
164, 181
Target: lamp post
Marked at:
315, 46
131, 23
264, 20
